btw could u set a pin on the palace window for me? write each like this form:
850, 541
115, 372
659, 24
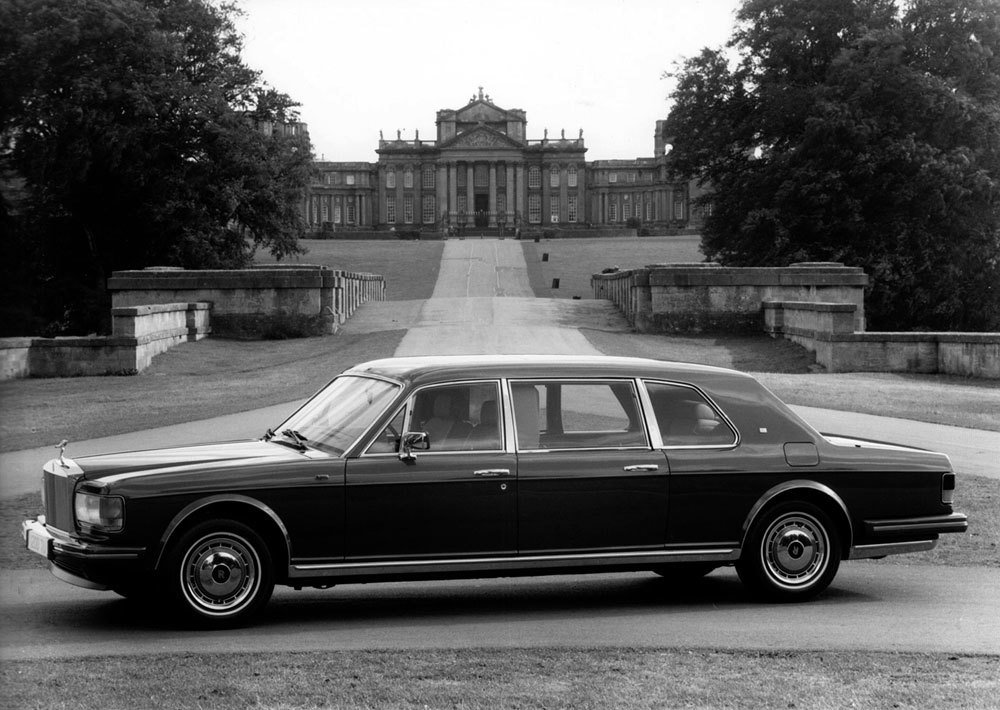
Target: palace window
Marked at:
554, 176
626, 209
612, 211
351, 212
554, 210
407, 177
481, 175
427, 177
631, 176
501, 175
349, 178
337, 210
501, 204
612, 177
408, 209
649, 209
463, 205
390, 209
571, 209
428, 209
314, 209
571, 176
390, 177
461, 172
678, 207
534, 208
534, 176
325, 207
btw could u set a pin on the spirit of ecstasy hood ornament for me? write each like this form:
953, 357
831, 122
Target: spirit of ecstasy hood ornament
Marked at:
62, 450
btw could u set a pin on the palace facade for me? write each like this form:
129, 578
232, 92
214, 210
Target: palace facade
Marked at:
482, 171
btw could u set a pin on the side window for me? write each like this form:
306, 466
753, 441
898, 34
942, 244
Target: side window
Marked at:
459, 417
685, 418
577, 415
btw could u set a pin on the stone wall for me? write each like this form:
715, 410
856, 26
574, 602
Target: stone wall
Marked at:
138, 334
706, 297
268, 302
827, 329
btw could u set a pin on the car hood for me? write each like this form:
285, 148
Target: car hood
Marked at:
184, 458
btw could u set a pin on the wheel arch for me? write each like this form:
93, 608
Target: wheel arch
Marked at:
812, 492
245, 509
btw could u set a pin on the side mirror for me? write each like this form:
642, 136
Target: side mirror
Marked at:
413, 441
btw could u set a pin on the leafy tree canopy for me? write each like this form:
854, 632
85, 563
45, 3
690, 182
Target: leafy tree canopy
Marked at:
132, 134
857, 131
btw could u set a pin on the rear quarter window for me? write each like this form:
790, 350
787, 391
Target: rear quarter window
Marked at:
685, 417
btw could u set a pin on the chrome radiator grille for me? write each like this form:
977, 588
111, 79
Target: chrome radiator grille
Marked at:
59, 500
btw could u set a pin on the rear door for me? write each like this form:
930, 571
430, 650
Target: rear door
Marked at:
588, 478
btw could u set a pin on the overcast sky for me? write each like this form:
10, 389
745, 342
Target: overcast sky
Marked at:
360, 66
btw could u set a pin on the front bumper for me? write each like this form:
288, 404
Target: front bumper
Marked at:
85, 564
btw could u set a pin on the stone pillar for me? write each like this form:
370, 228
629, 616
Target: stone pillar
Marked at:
509, 188
470, 193
493, 194
520, 189
452, 192
563, 196
442, 194
546, 193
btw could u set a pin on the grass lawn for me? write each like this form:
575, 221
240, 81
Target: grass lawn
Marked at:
193, 381
410, 267
572, 261
510, 678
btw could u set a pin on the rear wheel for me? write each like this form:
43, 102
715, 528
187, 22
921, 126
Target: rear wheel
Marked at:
219, 573
792, 553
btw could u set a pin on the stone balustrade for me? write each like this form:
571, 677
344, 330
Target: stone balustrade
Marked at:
827, 329
706, 297
138, 334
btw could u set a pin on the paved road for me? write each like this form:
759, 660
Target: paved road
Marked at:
871, 606
483, 304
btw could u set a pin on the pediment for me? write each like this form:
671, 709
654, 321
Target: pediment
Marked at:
482, 137
480, 111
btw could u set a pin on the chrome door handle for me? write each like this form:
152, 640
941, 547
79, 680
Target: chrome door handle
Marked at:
642, 467
492, 472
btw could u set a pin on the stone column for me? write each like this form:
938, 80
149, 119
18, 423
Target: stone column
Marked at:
442, 194
546, 193
519, 191
470, 193
564, 196
493, 194
452, 192
509, 188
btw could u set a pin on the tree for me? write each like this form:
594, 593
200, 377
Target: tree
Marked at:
140, 138
856, 132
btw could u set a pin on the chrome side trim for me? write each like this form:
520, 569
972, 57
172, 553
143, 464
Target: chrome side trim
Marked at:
861, 552
799, 484
514, 563
955, 522
212, 500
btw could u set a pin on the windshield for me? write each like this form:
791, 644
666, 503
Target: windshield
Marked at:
333, 419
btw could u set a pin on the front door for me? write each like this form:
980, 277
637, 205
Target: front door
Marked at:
482, 205
456, 499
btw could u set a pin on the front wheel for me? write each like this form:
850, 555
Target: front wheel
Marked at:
219, 573
792, 553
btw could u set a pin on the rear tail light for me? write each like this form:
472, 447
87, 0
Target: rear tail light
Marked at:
948, 488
